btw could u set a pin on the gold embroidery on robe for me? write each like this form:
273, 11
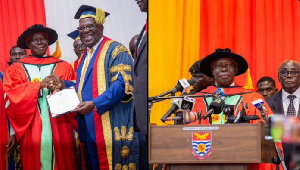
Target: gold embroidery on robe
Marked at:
132, 166
123, 132
124, 152
118, 166
119, 68
130, 134
118, 49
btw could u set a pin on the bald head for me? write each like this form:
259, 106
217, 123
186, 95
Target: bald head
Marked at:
132, 44
289, 63
288, 76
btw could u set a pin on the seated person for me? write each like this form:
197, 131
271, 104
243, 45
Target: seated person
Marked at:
266, 87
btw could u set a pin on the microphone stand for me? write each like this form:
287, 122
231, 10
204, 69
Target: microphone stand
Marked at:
159, 98
190, 96
279, 158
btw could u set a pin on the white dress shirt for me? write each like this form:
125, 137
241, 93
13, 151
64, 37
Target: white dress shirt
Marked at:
94, 47
286, 101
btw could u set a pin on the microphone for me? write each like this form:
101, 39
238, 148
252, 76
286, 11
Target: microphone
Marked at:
241, 118
187, 103
215, 107
176, 104
183, 85
259, 104
185, 117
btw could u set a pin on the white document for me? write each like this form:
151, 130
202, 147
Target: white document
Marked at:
63, 102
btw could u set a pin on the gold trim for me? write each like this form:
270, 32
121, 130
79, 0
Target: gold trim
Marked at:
126, 78
130, 88
132, 166
123, 132
120, 48
125, 167
130, 134
114, 78
101, 82
117, 134
129, 93
118, 166
87, 16
73, 64
124, 152
119, 68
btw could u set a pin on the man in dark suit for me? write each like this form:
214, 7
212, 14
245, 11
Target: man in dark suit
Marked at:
141, 76
286, 101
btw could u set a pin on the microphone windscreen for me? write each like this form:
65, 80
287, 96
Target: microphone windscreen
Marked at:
189, 117
217, 105
179, 87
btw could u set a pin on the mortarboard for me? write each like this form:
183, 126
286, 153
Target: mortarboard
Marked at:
74, 35
86, 11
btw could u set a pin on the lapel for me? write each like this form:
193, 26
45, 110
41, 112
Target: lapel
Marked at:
278, 105
142, 45
78, 71
91, 64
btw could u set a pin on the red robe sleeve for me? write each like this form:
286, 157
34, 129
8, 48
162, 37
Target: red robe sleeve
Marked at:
3, 131
22, 95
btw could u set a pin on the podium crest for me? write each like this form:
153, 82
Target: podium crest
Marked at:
201, 142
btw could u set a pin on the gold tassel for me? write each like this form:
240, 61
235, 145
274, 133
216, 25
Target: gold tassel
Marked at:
248, 85
57, 52
154, 166
100, 16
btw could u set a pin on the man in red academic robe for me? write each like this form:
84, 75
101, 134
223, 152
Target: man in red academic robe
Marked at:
46, 142
224, 65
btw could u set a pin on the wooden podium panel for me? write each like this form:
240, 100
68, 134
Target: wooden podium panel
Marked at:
231, 143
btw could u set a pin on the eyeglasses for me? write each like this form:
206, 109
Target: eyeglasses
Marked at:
77, 47
88, 27
293, 73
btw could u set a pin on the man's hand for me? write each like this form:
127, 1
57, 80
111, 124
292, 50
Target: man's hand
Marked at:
85, 107
60, 84
11, 145
46, 81
55, 84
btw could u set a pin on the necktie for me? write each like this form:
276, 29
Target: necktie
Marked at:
291, 111
88, 59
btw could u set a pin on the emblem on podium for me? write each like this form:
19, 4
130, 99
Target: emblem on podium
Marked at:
201, 142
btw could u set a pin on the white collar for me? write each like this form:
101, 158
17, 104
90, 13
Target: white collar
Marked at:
285, 94
95, 46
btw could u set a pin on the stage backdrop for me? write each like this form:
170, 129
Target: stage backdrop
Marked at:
265, 32
124, 22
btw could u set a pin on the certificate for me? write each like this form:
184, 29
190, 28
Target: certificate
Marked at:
63, 102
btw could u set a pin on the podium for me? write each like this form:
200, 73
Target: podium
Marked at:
234, 146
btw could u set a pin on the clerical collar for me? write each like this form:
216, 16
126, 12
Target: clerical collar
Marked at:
95, 46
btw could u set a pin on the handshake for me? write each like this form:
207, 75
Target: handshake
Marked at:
53, 83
